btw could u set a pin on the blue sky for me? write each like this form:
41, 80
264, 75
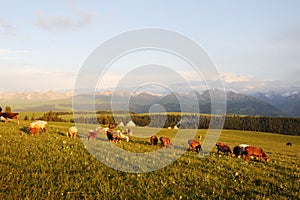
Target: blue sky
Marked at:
43, 44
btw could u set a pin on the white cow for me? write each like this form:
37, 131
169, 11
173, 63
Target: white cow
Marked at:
36, 126
72, 133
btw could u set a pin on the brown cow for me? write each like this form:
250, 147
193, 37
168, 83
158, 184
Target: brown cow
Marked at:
195, 145
223, 148
153, 140
165, 142
9, 115
258, 152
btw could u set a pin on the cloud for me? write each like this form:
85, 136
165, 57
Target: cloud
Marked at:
6, 29
232, 78
63, 23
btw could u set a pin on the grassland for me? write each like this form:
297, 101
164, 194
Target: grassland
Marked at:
52, 166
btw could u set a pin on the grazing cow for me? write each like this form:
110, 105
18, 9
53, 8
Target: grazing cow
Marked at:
72, 133
289, 144
37, 126
165, 142
153, 140
121, 135
257, 152
113, 136
240, 150
195, 145
9, 115
92, 135
223, 148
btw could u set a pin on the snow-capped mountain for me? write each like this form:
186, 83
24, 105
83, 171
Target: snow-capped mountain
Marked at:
288, 102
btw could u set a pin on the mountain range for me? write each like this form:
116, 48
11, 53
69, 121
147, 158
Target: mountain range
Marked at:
260, 103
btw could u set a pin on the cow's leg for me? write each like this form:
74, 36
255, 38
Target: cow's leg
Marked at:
259, 158
17, 118
247, 157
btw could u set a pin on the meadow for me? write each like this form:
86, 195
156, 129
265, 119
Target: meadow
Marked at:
53, 166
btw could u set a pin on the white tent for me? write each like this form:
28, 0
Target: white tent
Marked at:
131, 123
121, 124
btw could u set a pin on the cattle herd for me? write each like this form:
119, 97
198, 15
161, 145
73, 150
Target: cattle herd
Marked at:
117, 136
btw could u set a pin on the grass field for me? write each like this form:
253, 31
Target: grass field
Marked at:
52, 166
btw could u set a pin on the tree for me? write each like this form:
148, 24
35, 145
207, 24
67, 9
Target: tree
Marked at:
7, 109
26, 118
50, 116
32, 117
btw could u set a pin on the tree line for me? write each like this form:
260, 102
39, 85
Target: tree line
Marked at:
281, 125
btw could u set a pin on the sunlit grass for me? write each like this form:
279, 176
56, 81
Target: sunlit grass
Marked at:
52, 166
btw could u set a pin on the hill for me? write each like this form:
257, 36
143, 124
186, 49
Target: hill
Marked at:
142, 102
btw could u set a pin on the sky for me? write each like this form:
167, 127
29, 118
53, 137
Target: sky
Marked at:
44, 44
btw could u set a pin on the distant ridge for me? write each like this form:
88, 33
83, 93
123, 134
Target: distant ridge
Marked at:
139, 102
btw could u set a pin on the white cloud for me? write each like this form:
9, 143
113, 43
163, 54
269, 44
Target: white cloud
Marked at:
68, 22
232, 78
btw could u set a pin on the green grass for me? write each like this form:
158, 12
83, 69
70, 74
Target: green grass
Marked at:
52, 166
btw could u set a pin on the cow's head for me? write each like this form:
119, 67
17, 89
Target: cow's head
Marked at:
264, 155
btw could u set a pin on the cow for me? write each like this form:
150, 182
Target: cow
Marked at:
121, 135
239, 150
289, 144
9, 115
113, 136
165, 142
223, 148
92, 134
257, 152
37, 126
153, 140
195, 145
72, 133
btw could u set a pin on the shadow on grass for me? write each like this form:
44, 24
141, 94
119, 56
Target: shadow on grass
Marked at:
25, 129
